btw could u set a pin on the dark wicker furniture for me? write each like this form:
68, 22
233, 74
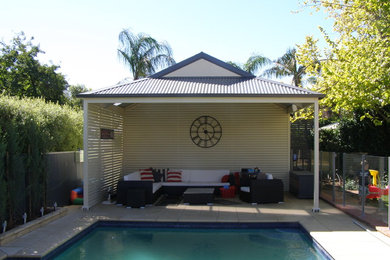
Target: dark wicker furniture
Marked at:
264, 191
302, 184
198, 195
135, 198
147, 186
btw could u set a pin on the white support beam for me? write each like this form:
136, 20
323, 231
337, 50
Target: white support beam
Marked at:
316, 195
85, 166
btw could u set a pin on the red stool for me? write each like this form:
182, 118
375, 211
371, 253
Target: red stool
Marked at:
228, 193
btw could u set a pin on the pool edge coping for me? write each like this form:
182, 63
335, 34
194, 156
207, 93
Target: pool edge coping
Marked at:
52, 252
30, 226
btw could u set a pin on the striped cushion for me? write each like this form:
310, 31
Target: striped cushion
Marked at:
174, 176
146, 175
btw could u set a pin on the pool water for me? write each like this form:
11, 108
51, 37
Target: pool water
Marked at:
189, 243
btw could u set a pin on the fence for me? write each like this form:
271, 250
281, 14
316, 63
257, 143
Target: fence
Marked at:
64, 173
356, 183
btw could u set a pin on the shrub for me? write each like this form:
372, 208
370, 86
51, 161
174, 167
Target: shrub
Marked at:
351, 184
354, 134
29, 129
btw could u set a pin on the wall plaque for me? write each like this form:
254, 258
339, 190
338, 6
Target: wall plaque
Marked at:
106, 133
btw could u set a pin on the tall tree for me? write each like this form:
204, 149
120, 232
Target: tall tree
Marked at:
235, 64
256, 62
3, 181
287, 66
72, 93
21, 74
355, 68
253, 64
143, 54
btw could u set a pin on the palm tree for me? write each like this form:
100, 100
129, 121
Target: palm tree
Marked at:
234, 64
143, 54
285, 66
256, 62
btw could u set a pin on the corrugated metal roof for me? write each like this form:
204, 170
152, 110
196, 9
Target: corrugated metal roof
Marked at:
201, 86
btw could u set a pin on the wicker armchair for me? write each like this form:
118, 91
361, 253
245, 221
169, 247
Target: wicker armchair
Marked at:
263, 191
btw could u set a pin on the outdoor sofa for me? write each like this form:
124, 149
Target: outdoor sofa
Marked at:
153, 187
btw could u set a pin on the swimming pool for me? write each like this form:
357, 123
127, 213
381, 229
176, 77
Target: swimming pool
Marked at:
147, 240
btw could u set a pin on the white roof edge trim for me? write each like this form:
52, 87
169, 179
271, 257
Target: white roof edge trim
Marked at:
287, 100
112, 86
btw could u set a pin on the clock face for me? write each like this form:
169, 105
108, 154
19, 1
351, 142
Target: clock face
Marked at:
205, 131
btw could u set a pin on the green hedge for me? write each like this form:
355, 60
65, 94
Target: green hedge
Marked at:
29, 129
357, 134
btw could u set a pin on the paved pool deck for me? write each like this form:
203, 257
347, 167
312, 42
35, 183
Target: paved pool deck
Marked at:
339, 234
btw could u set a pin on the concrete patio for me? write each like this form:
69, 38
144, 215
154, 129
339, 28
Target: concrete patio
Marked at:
337, 232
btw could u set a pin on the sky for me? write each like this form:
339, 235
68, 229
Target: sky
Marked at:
81, 36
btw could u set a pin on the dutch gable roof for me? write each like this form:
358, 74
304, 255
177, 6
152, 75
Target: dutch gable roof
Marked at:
202, 76
202, 65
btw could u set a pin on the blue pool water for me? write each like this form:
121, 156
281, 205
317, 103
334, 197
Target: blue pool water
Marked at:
193, 242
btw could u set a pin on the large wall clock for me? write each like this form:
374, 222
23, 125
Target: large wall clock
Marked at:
205, 131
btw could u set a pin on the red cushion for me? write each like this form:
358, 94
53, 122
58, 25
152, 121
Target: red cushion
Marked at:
225, 178
146, 175
174, 176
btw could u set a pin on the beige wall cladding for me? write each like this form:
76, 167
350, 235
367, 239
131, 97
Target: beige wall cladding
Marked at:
201, 68
104, 155
253, 135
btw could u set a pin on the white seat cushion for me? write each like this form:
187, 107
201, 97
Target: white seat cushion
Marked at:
134, 176
193, 184
211, 184
156, 186
245, 189
175, 183
207, 175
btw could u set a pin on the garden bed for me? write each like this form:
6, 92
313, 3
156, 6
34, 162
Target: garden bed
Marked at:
31, 225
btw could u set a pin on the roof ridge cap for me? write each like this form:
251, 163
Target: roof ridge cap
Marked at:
204, 77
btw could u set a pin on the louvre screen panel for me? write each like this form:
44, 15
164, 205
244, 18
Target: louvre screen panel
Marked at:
105, 156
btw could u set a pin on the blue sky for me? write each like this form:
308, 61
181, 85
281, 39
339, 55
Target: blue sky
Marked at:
82, 36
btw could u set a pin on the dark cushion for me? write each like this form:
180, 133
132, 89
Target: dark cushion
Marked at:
232, 180
244, 179
157, 175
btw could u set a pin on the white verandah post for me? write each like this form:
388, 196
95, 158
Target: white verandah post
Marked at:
388, 187
85, 165
316, 194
